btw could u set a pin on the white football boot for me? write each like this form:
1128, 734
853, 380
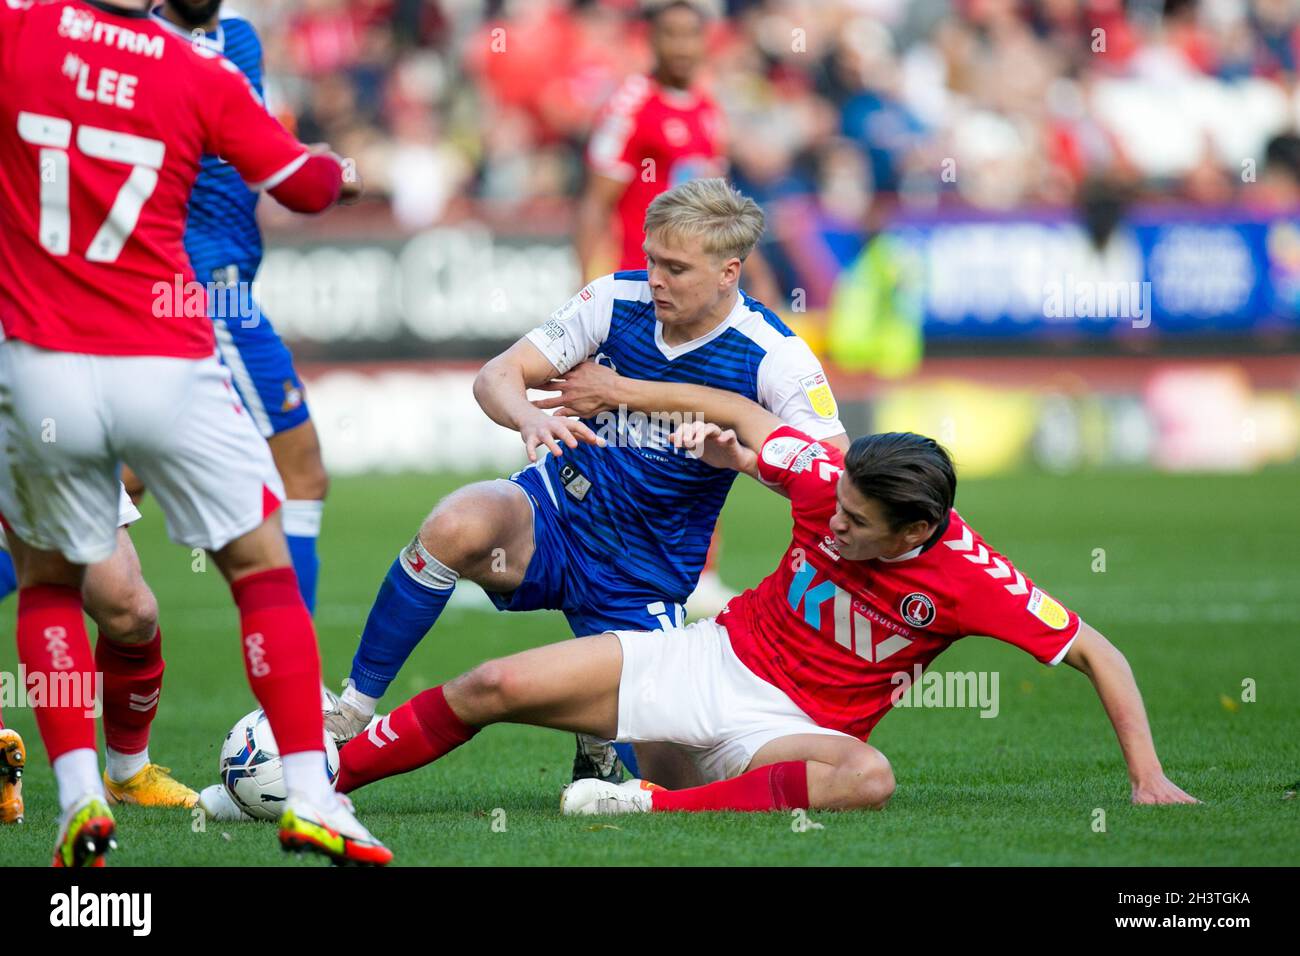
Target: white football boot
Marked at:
216, 804
592, 797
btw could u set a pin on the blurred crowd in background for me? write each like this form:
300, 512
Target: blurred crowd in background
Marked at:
990, 103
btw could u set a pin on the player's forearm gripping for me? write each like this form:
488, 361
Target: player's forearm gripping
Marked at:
501, 386
1112, 677
589, 389
501, 390
751, 422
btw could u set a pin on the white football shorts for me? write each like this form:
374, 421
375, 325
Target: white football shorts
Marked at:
687, 686
68, 419
127, 515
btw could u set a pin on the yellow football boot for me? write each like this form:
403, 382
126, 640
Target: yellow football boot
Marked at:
153, 786
13, 758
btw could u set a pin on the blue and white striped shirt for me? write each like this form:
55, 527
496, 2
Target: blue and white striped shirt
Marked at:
640, 504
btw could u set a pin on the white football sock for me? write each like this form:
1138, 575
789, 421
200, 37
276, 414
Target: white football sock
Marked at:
301, 517
357, 700
77, 773
304, 777
122, 767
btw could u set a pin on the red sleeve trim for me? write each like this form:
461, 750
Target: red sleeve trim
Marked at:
313, 187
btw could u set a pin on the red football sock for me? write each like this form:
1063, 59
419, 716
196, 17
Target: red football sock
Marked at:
281, 657
778, 786
52, 643
132, 684
419, 732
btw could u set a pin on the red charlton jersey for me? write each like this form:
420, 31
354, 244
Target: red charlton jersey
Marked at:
653, 138
831, 633
104, 118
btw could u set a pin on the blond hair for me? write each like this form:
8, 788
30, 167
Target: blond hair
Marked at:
729, 223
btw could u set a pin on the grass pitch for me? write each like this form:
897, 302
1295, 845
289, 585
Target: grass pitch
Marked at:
1201, 590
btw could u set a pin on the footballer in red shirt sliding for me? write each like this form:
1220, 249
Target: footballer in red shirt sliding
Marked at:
774, 699
108, 356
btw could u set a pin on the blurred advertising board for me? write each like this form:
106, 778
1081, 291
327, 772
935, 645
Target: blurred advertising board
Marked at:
440, 292
1161, 272
463, 290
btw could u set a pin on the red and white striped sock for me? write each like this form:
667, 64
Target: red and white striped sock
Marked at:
416, 733
133, 676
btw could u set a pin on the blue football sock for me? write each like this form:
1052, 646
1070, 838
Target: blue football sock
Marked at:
8, 579
628, 756
301, 529
403, 612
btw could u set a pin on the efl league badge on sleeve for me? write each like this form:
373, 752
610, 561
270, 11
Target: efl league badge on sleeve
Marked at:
819, 394
1047, 610
570, 308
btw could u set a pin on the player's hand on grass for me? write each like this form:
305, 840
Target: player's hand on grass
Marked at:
555, 431
1161, 790
585, 390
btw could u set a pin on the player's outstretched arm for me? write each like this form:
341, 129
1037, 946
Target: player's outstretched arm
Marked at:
590, 388
268, 157
1111, 675
501, 390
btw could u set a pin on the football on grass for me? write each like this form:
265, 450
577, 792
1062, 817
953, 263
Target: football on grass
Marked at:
251, 769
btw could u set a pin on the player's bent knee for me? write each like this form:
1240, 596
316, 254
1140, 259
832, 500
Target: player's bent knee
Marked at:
457, 537
489, 692
869, 781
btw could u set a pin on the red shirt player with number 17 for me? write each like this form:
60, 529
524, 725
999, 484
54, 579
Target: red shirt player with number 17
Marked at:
775, 698
103, 122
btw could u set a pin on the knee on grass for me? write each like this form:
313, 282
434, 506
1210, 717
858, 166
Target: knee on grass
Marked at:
863, 782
